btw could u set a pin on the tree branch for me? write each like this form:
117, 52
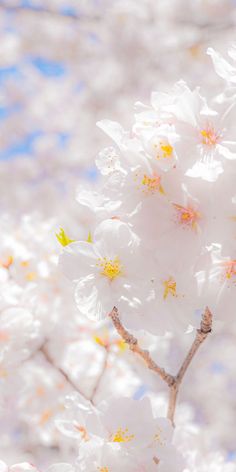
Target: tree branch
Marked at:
134, 346
201, 335
173, 382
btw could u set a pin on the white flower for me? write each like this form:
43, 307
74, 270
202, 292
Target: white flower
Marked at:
205, 135
118, 431
131, 424
217, 283
103, 457
104, 270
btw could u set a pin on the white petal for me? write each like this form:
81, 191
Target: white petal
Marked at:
226, 152
222, 67
112, 129
78, 260
88, 299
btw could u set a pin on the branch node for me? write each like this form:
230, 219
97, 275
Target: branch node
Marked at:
206, 322
173, 382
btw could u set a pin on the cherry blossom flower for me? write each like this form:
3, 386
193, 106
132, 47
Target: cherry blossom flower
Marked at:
105, 269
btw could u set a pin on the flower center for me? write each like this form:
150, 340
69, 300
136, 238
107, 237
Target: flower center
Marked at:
209, 137
187, 216
122, 436
110, 268
169, 288
167, 150
164, 150
230, 269
152, 183
103, 469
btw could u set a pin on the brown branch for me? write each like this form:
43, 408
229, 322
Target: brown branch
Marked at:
201, 335
173, 382
134, 346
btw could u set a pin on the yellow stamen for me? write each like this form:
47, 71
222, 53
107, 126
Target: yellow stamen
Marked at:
230, 269
121, 436
167, 150
63, 238
111, 268
187, 216
209, 136
152, 184
169, 288
103, 469
102, 340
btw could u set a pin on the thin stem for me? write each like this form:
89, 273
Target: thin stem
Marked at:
174, 390
201, 335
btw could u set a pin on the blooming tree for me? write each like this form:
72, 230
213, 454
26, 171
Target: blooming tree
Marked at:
97, 341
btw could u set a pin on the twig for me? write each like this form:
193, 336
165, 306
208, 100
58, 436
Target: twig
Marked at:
201, 335
134, 346
173, 382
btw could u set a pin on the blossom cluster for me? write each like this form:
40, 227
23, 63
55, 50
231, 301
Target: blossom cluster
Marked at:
163, 243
